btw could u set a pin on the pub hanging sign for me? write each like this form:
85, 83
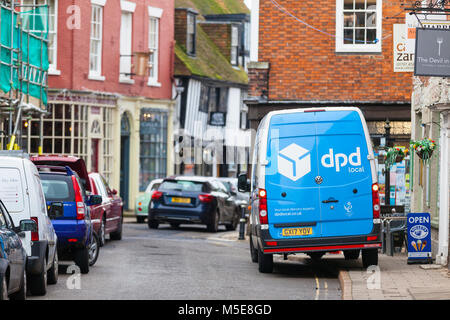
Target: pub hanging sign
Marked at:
432, 52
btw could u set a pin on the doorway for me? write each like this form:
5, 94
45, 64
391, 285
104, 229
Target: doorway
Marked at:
125, 160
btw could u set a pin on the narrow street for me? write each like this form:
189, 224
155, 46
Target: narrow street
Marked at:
191, 264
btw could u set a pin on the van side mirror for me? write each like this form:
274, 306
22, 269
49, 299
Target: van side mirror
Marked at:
56, 210
94, 200
243, 183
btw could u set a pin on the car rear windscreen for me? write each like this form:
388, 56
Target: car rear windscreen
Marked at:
57, 188
182, 185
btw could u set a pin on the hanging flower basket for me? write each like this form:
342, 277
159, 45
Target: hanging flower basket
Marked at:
395, 155
424, 148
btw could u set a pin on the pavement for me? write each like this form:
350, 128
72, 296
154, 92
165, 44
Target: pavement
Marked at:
395, 280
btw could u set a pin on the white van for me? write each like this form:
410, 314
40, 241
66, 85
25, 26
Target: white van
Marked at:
313, 186
22, 195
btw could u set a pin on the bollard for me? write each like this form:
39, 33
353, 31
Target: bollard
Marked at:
242, 224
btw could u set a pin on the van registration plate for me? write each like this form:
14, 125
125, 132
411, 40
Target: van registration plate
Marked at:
291, 232
181, 200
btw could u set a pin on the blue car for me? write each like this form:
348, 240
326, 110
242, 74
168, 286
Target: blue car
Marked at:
13, 257
193, 200
313, 187
69, 210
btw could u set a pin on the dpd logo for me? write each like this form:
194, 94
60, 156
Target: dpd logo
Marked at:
294, 162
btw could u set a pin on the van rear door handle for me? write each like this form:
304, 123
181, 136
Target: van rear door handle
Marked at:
331, 200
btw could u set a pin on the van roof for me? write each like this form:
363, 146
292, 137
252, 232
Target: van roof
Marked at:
318, 109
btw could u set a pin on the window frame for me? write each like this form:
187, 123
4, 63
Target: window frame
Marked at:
96, 74
191, 51
341, 47
128, 8
234, 39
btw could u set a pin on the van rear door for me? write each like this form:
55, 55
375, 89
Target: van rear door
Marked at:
345, 172
292, 194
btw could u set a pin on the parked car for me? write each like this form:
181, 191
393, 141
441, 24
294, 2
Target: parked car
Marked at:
314, 186
13, 257
107, 217
22, 194
240, 198
143, 201
65, 181
193, 200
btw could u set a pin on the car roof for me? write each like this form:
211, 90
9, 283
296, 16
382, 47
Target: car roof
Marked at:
190, 178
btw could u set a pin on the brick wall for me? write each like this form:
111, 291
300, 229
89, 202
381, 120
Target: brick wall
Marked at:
181, 26
220, 34
258, 76
304, 64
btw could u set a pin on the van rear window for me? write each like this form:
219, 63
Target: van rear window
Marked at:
57, 188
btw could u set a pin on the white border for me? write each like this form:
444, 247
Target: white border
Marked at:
101, 3
127, 6
155, 12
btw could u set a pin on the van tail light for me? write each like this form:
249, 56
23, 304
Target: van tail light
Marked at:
262, 194
375, 201
35, 234
156, 195
81, 209
205, 198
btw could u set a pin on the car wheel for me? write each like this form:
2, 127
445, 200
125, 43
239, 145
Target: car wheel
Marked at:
117, 235
94, 249
351, 254
214, 225
81, 258
175, 225
102, 234
234, 223
4, 289
22, 293
369, 257
52, 274
253, 251
153, 224
265, 262
38, 282
140, 219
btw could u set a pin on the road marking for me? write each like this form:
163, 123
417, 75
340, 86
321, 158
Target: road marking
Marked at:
317, 287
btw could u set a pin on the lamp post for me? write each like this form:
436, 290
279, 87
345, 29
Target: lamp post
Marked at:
387, 189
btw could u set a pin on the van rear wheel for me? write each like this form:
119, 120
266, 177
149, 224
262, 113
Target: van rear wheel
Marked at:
253, 251
265, 262
370, 257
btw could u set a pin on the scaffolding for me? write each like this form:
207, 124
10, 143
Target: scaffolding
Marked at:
24, 68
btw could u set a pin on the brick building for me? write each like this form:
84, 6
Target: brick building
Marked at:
331, 53
100, 110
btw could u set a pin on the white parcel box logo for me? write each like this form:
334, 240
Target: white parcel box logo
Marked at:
294, 162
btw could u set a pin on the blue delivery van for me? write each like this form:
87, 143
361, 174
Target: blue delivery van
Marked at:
313, 186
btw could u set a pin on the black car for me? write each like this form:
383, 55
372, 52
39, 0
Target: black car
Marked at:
13, 279
193, 200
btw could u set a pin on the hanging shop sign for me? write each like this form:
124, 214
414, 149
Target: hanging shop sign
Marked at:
432, 56
218, 119
428, 21
403, 59
419, 237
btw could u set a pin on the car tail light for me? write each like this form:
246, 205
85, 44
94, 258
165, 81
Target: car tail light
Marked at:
376, 201
262, 193
157, 195
205, 198
35, 234
81, 209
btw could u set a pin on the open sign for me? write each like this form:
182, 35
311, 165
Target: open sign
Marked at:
419, 238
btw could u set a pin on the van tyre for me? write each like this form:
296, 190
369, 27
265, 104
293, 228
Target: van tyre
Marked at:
253, 251
38, 282
52, 274
370, 257
22, 293
140, 219
351, 254
265, 262
81, 259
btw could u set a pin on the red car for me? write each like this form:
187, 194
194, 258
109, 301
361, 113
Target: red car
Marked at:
107, 217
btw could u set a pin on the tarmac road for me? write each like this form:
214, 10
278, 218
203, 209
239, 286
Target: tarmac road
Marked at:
190, 263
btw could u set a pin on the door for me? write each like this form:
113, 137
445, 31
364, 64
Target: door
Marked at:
290, 172
125, 160
345, 172
95, 145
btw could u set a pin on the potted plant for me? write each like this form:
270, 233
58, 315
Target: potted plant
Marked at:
424, 148
395, 155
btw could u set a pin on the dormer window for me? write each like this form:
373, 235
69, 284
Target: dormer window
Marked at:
234, 45
190, 37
